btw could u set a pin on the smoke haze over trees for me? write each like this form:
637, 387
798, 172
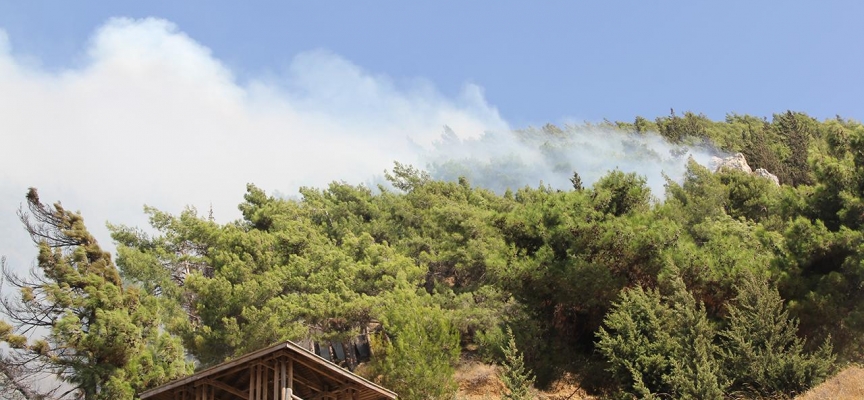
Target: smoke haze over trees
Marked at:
595, 273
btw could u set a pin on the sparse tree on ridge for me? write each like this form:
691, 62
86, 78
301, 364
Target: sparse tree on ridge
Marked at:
101, 338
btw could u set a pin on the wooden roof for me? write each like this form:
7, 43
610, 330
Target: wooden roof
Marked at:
253, 375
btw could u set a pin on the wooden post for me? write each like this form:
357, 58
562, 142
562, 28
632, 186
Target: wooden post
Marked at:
266, 376
290, 379
252, 383
275, 380
261, 387
284, 383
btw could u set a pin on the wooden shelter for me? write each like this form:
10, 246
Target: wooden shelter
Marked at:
284, 371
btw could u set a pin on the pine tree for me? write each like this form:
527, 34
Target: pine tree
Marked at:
662, 345
102, 338
638, 341
576, 180
417, 356
696, 370
761, 348
516, 377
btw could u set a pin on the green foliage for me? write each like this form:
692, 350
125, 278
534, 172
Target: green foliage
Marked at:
660, 346
749, 197
676, 129
417, 356
696, 370
762, 353
700, 197
576, 180
491, 343
796, 131
100, 333
662, 283
619, 193
517, 379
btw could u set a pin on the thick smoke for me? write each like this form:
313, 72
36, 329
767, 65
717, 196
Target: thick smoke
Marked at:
149, 116
552, 155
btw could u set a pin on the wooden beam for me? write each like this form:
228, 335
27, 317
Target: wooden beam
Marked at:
228, 388
333, 392
311, 385
327, 374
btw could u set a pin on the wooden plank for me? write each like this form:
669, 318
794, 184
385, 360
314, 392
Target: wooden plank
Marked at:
317, 368
333, 392
228, 388
311, 385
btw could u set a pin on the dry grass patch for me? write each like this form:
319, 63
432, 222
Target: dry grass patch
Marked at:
566, 388
847, 385
478, 381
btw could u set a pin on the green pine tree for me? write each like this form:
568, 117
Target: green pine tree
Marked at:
761, 349
418, 355
518, 380
102, 338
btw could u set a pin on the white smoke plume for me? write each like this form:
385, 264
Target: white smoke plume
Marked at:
152, 117
551, 155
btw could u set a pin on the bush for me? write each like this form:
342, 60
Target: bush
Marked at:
761, 350
418, 355
516, 378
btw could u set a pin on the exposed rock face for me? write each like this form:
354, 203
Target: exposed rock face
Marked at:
736, 162
767, 175
739, 163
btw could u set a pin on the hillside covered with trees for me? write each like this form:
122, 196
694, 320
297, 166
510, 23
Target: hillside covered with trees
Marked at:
726, 285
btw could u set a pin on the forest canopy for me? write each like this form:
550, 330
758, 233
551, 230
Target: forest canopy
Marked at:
725, 284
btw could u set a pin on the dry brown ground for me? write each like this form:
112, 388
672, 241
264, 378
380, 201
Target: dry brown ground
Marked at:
847, 385
478, 381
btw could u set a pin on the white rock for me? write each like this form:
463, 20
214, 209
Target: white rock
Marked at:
736, 162
767, 175
739, 163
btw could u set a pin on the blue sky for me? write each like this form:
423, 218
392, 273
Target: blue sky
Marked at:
537, 62
110, 105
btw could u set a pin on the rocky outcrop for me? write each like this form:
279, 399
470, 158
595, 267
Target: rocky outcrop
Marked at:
767, 175
737, 162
